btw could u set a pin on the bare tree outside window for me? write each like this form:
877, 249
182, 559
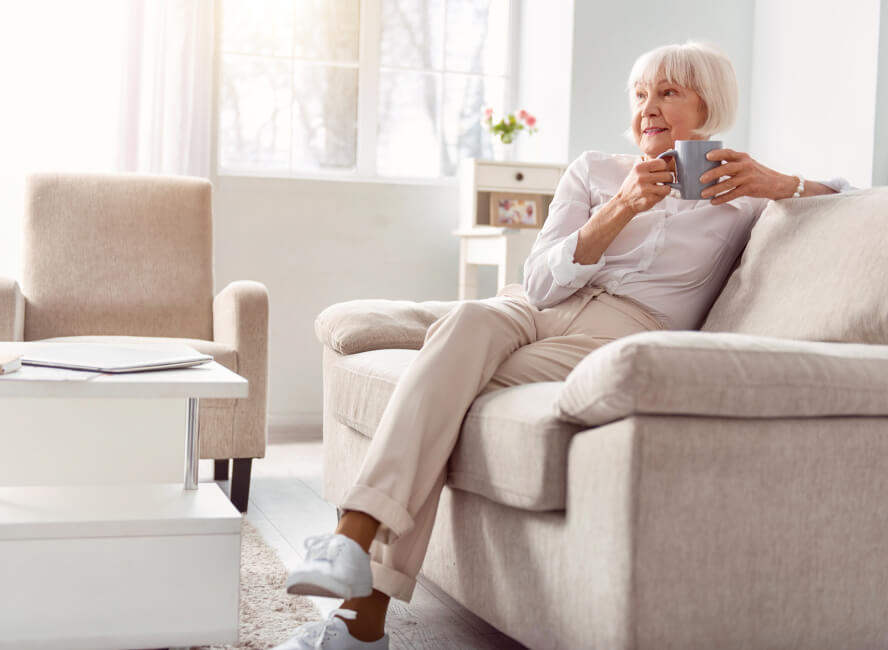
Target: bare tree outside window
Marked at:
290, 83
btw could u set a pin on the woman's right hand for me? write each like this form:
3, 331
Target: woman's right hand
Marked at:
645, 186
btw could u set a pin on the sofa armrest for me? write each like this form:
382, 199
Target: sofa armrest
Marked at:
12, 311
375, 324
727, 375
240, 319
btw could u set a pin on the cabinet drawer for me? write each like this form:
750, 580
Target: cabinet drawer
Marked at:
521, 178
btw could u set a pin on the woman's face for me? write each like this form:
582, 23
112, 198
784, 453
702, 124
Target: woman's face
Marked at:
664, 112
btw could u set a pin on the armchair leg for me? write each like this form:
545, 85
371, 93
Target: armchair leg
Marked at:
240, 483
220, 469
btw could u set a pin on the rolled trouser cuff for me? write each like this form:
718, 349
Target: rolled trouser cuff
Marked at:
393, 517
391, 582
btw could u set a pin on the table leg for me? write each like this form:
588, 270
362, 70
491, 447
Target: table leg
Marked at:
468, 274
192, 445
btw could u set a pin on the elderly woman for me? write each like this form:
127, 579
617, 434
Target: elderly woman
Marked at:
620, 253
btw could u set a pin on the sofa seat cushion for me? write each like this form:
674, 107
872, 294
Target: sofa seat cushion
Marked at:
725, 375
512, 448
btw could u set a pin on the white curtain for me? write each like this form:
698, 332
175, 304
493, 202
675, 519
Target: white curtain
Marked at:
166, 89
100, 85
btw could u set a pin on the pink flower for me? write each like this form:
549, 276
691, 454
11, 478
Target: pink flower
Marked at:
522, 114
531, 120
488, 112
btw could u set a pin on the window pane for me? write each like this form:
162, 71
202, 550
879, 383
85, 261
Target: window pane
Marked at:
326, 30
408, 142
465, 98
254, 113
248, 30
325, 115
411, 33
477, 36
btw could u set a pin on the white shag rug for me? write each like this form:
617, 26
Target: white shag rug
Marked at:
268, 614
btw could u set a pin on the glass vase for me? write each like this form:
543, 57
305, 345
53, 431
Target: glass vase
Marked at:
502, 151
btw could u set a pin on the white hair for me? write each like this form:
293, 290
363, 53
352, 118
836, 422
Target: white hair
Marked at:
697, 66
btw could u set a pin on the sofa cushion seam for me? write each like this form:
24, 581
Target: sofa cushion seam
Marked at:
498, 486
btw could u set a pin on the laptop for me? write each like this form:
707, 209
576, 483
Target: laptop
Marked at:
113, 357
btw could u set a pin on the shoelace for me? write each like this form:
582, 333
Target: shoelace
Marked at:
315, 546
316, 632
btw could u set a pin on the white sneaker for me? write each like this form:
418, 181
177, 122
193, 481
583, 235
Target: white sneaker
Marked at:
335, 566
331, 634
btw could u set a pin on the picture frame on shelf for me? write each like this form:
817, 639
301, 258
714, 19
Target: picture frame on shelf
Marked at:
516, 210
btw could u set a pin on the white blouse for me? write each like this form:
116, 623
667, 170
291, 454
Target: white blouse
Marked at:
673, 259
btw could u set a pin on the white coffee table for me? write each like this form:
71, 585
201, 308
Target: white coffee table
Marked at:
106, 538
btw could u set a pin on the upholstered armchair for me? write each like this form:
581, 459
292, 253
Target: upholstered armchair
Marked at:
129, 257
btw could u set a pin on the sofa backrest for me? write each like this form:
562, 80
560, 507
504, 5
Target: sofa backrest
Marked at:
124, 254
814, 269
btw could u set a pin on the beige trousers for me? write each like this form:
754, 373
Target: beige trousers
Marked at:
481, 345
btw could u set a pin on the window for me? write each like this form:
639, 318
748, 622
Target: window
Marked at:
359, 88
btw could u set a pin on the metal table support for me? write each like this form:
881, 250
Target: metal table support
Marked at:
192, 445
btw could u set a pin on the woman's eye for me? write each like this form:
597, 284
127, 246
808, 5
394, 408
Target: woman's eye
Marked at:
670, 91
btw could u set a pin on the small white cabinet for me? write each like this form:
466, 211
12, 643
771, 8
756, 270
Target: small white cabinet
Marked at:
483, 244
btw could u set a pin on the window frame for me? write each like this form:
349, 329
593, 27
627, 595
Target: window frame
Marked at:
367, 100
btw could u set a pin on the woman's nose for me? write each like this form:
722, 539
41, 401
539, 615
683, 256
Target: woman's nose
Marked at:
650, 106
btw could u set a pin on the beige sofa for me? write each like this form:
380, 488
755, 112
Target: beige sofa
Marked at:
716, 489
129, 258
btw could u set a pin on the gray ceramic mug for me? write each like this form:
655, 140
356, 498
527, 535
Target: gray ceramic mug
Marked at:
691, 164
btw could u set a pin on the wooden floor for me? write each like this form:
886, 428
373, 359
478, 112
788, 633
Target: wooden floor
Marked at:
286, 507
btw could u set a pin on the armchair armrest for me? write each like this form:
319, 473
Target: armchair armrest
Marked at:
375, 324
240, 319
725, 375
12, 311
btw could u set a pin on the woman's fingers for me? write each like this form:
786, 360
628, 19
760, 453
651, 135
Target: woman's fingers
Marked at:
734, 183
728, 169
718, 188
655, 165
660, 177
725, 154
736, 193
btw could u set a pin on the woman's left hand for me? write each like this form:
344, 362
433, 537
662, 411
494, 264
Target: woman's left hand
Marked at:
745, 177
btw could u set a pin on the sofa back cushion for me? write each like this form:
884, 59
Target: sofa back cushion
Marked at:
814, 269
118, 254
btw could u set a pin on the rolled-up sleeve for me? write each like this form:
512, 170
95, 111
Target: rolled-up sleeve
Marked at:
567, 273
550, 273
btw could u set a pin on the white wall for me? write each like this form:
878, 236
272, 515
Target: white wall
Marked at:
814, 87
543, 59
609, 36
880, 143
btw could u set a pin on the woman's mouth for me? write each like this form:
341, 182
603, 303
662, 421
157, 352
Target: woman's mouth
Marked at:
653, 131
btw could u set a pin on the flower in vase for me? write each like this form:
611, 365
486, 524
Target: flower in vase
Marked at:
508, 126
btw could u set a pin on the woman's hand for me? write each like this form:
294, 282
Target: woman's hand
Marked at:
645, 185
744, 177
